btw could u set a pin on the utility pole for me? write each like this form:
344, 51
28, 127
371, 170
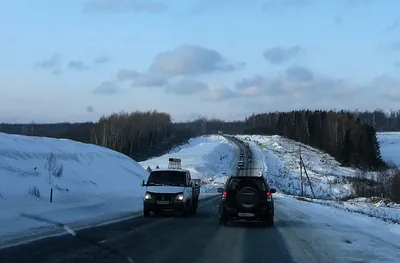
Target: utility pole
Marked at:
308, 178
301, 173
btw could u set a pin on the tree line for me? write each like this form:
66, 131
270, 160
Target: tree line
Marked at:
381, 120
348, 136
340, 134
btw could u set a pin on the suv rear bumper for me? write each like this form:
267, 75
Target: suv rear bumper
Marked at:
258, 213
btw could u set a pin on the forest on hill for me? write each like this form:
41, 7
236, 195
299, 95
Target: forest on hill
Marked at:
348, 136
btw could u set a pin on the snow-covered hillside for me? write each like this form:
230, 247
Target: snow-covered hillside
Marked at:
91, 184
278, 158
390, 146
208, 158
281, 167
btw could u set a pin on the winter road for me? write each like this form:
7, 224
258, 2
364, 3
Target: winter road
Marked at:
303, 232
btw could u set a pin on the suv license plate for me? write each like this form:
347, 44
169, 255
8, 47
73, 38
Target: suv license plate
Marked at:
246, 214
163, 202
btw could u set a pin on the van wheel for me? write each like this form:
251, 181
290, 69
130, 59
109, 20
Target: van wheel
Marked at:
193, 208
186, 210
146, 213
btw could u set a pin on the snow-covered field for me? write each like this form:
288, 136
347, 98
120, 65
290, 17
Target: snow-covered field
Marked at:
91, 184
390, 146
280, 164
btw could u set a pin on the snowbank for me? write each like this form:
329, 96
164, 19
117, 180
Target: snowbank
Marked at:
387, 211
209, 158
346, 237
280, 162
89, 182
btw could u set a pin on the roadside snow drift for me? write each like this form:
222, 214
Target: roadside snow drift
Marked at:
334, 235
89, 182
209, 158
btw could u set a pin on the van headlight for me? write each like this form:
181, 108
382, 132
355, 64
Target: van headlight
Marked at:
179, 197
147, 196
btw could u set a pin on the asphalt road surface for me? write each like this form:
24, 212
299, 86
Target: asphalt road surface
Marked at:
298, 236
249, 168
161, 239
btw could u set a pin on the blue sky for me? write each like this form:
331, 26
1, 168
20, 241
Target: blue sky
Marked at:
76, 60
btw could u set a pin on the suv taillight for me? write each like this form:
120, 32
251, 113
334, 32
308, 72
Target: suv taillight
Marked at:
224, 194
269, 198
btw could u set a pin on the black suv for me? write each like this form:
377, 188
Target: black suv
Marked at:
246, 198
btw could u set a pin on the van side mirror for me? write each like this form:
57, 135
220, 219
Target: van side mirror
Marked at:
142, 183
220, 190
272, 190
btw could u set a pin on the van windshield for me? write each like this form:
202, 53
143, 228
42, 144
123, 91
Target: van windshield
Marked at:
174, 178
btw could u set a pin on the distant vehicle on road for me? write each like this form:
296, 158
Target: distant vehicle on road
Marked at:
246, 198
240, 165
171, 190
220, 133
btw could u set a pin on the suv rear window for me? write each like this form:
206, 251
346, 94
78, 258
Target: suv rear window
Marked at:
236, 183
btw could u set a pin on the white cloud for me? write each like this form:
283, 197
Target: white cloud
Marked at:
191, 60
77, 65
141, 79
218, 93
279, 55
186, 87
106, 88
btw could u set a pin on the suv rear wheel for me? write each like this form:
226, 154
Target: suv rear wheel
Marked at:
269, 221
223, 221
